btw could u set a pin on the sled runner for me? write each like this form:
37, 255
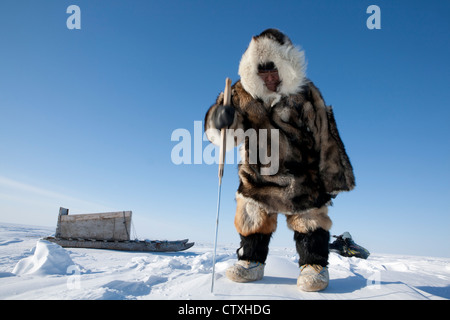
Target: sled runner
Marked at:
109, 230
128, 245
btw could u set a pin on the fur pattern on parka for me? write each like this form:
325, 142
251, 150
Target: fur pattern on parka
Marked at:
313, 164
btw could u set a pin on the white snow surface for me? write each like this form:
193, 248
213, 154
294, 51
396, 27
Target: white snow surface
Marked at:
32, 268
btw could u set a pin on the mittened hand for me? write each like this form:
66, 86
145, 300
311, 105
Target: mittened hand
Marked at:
223, 117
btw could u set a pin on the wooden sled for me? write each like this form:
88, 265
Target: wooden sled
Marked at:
109, 230
131, 245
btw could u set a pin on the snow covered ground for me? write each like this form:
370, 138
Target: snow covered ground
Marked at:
31, 268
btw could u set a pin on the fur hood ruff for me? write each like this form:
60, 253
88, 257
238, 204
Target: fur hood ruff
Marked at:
288, 59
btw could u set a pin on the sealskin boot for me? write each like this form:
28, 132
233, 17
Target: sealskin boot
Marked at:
252, 256
313, 278
312, 248
246, 271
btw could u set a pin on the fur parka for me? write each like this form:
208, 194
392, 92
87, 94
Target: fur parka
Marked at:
313, 165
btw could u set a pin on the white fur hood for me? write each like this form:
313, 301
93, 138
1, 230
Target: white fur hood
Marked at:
273, 46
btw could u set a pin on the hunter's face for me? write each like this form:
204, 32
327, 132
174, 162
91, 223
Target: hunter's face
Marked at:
270, 78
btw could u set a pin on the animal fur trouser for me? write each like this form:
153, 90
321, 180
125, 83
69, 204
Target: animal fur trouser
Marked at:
255, 226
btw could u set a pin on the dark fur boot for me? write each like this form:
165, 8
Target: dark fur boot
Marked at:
312, 247
254, 247
313, 250
251, 258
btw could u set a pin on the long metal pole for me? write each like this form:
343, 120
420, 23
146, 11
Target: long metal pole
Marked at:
223, 144
215, 239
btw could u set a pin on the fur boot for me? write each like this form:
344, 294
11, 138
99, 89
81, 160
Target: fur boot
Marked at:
254, 247
312, 248
252, 256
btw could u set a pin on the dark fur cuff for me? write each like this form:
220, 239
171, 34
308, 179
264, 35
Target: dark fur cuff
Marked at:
312, 247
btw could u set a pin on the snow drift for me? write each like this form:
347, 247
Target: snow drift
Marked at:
48, 259
51, 272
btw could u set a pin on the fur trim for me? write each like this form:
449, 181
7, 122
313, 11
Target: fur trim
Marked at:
288, 59
252, 218
310, 220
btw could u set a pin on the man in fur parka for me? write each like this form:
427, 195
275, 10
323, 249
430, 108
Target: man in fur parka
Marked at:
274, 97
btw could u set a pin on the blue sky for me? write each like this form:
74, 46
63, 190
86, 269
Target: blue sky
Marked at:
86, 116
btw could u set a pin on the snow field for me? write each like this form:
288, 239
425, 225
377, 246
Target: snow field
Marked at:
31, 268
